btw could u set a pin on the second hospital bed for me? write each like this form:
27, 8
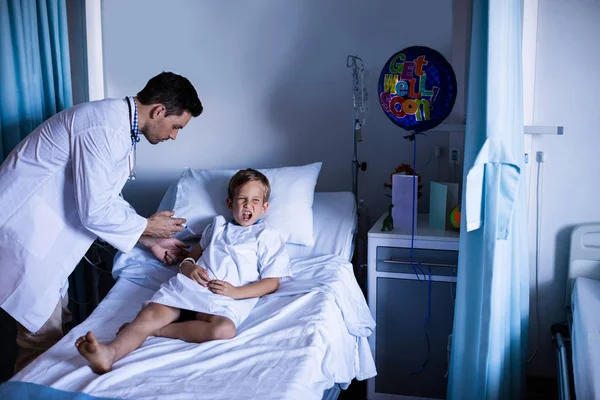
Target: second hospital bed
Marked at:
583, 318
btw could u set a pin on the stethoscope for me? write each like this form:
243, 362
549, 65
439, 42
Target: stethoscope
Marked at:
134, 139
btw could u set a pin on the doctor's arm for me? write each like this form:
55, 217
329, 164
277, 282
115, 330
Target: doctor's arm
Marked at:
169, 250
163, 225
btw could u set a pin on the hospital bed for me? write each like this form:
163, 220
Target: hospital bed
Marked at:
308, 340
582, 330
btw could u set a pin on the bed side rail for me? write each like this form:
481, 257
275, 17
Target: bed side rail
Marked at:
560, 335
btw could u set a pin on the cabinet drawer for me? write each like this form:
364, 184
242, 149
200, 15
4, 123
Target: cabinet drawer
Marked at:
401, 345
398, 260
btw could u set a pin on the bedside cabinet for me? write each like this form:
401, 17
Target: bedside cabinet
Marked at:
413, 306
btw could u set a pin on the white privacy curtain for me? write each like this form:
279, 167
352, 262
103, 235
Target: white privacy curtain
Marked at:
489, 343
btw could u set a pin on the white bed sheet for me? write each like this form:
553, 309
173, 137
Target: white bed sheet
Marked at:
295, 344
585, 338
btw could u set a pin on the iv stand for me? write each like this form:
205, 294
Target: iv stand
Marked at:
356, 64
355, 164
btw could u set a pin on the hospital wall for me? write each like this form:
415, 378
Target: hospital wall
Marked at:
566, 87
273, 79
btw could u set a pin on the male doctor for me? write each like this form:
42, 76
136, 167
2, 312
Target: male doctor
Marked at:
60, 190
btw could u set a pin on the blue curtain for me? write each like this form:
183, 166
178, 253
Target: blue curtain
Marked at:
35, 74
489, 342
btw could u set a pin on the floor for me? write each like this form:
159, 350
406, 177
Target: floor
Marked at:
538, 388
356, 391
542, 388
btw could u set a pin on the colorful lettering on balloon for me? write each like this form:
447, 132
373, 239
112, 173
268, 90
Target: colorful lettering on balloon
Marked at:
405, 89
417, 88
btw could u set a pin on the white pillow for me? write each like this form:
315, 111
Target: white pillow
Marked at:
201, 194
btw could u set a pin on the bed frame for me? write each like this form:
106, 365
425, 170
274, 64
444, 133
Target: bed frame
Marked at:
584, 259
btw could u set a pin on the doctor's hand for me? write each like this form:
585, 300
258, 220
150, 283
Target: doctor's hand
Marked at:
169, 251
195, 273
163, 225
223, 288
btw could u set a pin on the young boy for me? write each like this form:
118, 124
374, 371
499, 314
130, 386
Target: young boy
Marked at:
234, 263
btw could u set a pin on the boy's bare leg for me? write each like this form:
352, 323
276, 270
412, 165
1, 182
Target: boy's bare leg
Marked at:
206, 327
148, 321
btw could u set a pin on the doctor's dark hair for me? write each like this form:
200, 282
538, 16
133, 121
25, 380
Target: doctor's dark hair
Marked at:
244, 176
173, 91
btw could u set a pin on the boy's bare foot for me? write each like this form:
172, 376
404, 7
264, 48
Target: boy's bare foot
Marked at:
99, 355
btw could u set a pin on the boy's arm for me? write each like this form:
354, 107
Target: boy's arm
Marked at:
256, 289
196, 252
193, 271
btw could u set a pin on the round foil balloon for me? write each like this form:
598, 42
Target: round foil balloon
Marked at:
417, 88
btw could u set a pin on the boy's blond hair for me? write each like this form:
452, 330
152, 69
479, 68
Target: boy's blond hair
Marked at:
244, 176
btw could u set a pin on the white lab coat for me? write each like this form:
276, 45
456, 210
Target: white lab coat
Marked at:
236, 254
59, 190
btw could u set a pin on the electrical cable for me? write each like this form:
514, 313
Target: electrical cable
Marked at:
429, 160
538, 229
92, 250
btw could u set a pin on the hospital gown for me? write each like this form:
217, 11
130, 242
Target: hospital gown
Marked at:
236, 254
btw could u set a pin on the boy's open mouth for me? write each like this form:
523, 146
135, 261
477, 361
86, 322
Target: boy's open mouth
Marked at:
246, 215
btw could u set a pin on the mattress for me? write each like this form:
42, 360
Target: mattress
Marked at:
585, 337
